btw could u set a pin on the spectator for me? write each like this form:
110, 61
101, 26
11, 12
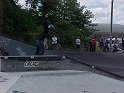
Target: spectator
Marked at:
54, 42
45, 44
115, 49
106, 46
101, 44
116, 42
90, 43
123, 44
98, 47
86, 47
58, 43
93, 45
78, 42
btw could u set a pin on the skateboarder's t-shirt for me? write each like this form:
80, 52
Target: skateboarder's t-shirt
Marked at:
46, 30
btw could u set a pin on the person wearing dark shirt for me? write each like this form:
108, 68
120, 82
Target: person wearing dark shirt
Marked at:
94, 45
101, 44
106, 46
123, 44
46, 30
40, 41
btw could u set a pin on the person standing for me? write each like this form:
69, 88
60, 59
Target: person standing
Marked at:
86, 47
106, 46
78, 42
116, 42
58, 43
123, 44
93, 45
45, 44
40, 40
54, 42
101, 44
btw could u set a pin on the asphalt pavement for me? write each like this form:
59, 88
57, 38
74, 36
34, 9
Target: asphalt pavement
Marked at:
111, 62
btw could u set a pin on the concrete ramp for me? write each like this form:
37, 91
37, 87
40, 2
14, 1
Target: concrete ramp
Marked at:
15, 48
21, 57
31, 63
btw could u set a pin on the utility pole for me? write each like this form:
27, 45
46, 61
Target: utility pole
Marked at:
111, 24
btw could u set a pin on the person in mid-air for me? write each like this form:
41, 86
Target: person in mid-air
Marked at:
40, 49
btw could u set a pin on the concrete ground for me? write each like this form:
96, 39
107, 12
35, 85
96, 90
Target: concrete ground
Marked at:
64, 81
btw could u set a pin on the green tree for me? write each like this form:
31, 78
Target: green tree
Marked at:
1, 16
69, 18
72, 18
18, 21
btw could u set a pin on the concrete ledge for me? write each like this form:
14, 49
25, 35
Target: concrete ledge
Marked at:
33, 56
35, 63
29, 63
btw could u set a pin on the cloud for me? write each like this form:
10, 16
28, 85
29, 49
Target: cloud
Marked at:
101, 10
21, 2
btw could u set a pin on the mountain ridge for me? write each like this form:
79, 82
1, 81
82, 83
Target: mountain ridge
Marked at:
117, 28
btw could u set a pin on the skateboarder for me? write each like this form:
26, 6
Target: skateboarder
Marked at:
40, 41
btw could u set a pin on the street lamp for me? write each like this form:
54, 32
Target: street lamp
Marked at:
111, 24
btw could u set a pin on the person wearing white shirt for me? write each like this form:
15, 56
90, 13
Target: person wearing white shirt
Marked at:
78, 42
54, 42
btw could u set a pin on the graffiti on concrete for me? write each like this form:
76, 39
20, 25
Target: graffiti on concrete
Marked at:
15, 48
20, 51
31, 64
4, 41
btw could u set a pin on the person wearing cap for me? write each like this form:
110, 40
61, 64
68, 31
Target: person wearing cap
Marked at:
40, 40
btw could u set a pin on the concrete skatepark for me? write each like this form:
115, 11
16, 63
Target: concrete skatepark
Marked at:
59, 72
64, 81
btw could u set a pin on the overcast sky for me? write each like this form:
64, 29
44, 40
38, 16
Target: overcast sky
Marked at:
101, 10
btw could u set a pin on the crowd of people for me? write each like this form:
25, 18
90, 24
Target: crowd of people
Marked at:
101, 45
105, 45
